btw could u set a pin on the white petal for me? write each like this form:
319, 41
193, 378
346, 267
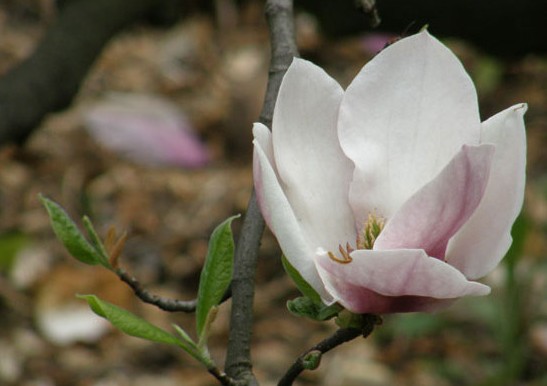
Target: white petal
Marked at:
438, 210
402, 119
314, 171
394, 273
279, 215
483, 241
263, 140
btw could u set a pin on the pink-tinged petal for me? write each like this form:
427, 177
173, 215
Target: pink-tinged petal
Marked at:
314, 171
280, 216
394, 281
402, 119
483, 241
146, 129
438, 210
262, 139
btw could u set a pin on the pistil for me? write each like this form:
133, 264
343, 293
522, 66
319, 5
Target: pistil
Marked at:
370, 232
365, 239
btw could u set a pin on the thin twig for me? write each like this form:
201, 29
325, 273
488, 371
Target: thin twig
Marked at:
238, 358
342, 335
369, 7
222, 377
170, 305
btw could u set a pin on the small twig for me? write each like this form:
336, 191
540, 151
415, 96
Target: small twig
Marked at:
170, 305
369, 7
222, 377
341, 336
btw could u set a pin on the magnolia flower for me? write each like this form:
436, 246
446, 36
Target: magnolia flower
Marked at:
391, 196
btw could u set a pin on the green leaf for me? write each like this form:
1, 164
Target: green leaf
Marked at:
133, 325
202, 354
128, 322
216, 274
96, 243
69, 234
304, 306
184, 335
302, 285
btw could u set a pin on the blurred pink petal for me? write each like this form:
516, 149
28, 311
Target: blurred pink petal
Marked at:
146, 129
373, 43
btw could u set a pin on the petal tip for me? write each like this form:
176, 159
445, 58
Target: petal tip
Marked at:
259, 128
521, 108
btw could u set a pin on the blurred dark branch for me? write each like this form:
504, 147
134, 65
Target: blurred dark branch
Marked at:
279, 14
48, 80
369, 7
504, 27
311, 358
170, 305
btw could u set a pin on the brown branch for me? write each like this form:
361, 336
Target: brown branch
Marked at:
238, 359
311, 358
170, 305
222, 377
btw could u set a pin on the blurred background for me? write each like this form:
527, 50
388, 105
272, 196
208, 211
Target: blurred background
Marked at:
191, 81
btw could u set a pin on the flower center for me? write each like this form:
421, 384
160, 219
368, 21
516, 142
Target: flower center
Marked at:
365, 239
370, 232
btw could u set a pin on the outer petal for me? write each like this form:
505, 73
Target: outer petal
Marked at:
394, 281
437, 211
314, 171
483, 241
402, 119
279, 215
263, 141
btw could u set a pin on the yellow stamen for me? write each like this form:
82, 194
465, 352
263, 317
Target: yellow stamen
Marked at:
346, 258
365, 239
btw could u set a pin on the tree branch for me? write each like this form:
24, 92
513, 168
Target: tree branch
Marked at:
223, 378
48, 80
311, 358
238, 359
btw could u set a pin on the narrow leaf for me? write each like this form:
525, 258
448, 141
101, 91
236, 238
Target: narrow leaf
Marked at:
199, 353
128, 322
302, 285
184, 335
211, 316
69, 234
96, 242
216, 274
